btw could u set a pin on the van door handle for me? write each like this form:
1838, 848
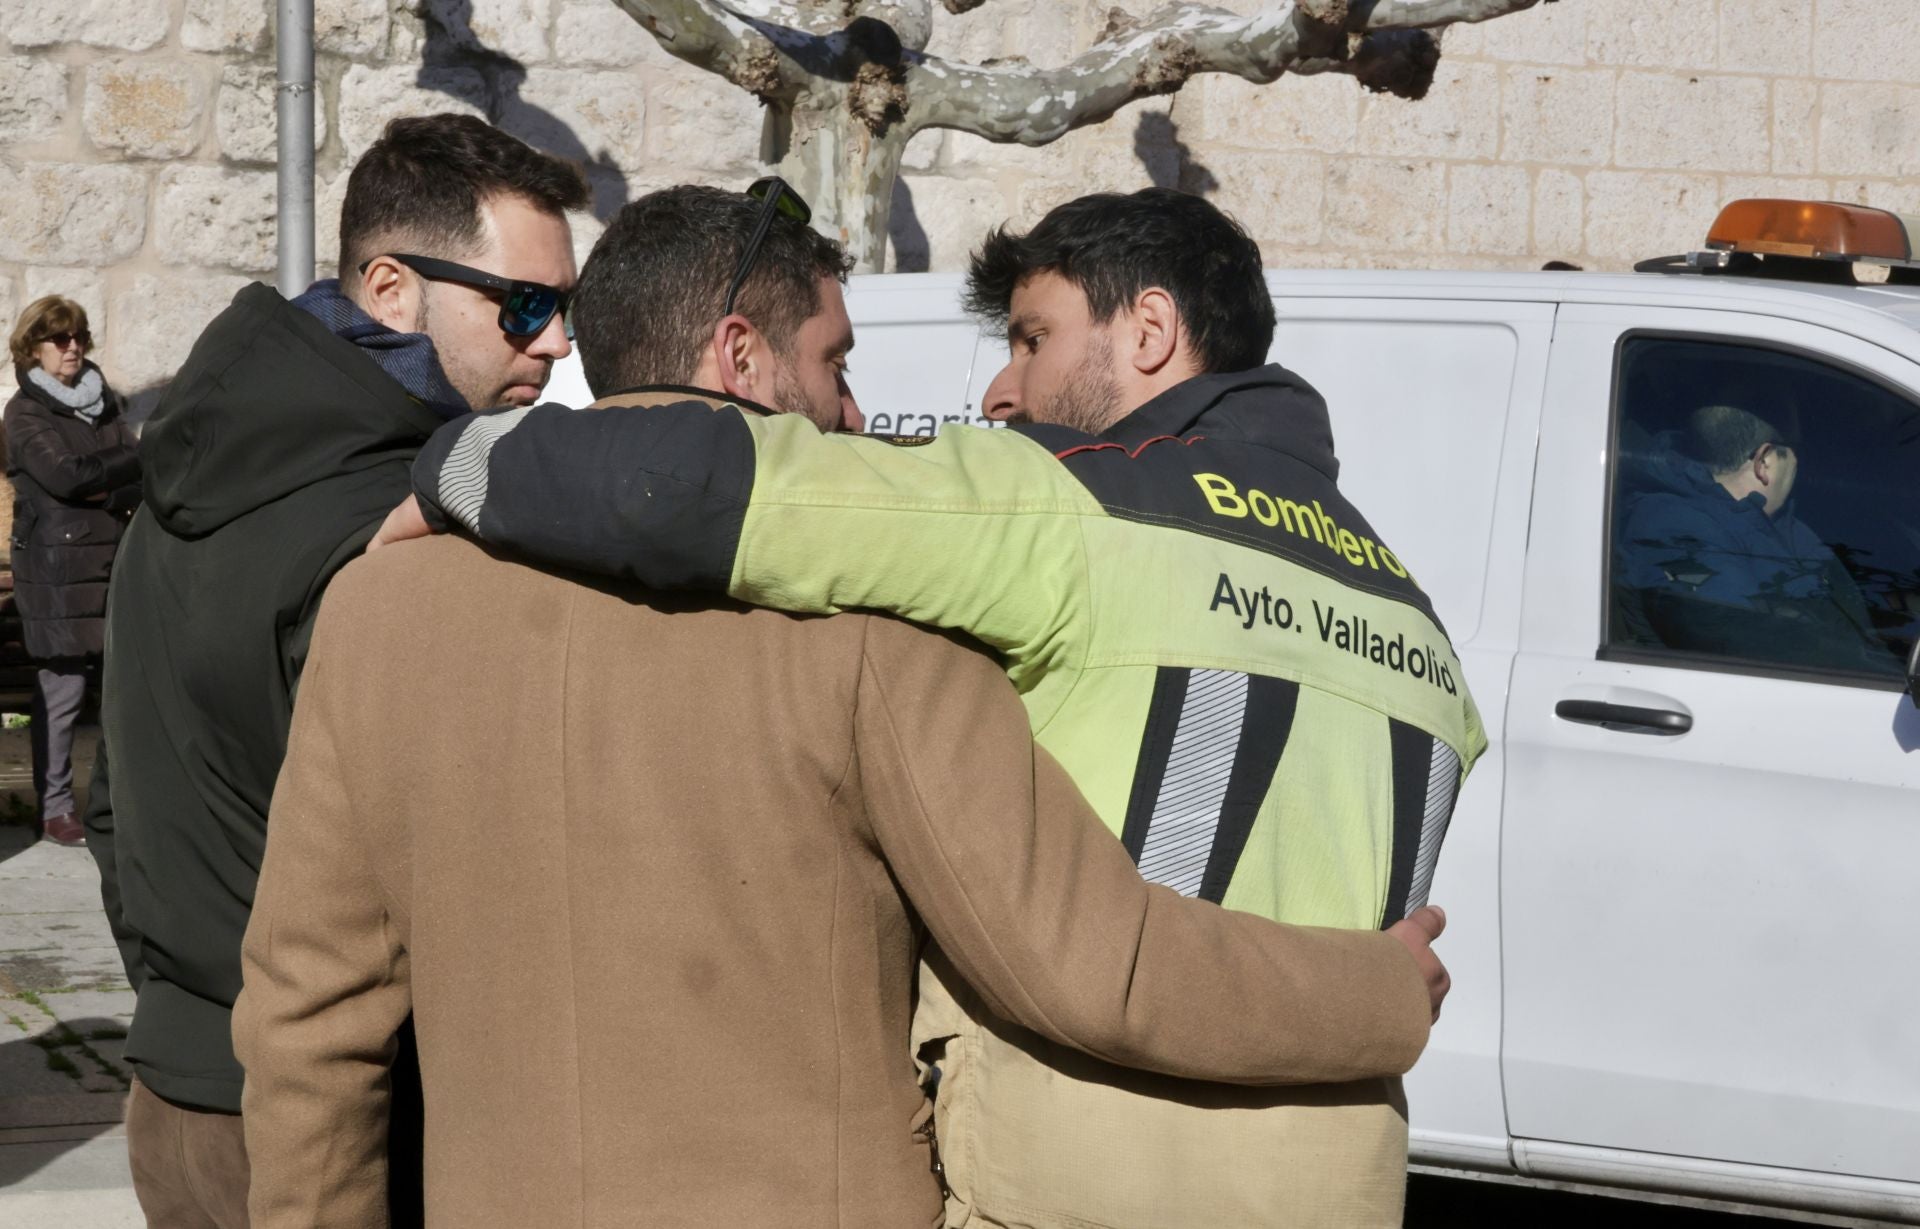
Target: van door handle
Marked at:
1625, 718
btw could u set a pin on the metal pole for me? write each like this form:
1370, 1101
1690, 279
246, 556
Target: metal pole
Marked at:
293, 40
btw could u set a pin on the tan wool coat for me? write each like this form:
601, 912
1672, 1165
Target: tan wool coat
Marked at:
652, 877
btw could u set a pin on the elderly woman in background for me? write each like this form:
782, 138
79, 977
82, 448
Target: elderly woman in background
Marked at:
76, 481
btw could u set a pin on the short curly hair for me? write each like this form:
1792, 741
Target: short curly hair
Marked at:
656, 283
44, 317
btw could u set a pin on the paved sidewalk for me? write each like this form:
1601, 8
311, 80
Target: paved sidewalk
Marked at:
64, 1011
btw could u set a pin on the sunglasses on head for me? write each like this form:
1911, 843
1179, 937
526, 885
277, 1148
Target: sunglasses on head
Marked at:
525, 307
62, 340
775, 197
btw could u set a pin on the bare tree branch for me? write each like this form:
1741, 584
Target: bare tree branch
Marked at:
1019, 102
710, 35
1427, 14
1397, 62
848, 82
781, 49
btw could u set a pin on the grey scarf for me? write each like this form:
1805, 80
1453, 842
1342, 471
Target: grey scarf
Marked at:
87, 398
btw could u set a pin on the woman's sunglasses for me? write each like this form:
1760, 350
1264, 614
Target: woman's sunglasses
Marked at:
62, 340
775, 197
525, 307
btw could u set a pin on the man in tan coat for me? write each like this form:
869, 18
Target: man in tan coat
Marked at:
653, 876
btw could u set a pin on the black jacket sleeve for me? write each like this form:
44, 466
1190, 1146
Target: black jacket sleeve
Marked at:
98, 821
297, 640
655, 494
126, 496
36, 448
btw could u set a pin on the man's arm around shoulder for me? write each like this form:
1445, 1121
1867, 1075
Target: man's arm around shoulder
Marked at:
974, 529
1042, 911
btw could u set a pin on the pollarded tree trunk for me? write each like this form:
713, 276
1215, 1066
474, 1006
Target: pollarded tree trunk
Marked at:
845, 171
848, 82
834, 75
850, 175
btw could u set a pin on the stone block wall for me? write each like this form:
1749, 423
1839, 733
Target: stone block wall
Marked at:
1594, 131
137, 136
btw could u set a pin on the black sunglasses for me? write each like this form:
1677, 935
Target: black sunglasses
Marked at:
775, 197
525, 307
62, 340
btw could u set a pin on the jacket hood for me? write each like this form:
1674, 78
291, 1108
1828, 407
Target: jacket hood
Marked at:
267, 403
1268, 406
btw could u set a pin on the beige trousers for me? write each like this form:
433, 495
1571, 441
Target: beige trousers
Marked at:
1035, 1136
190, 1166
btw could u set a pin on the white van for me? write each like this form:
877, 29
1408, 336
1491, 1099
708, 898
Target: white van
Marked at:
1686, 959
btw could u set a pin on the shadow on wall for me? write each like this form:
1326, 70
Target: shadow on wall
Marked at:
912, 251
1156, 142
1169, 163
451, 43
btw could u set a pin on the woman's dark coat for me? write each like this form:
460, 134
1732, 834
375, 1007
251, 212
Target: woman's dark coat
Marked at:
75, 484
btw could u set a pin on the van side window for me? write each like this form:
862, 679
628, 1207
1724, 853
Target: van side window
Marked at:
1765, 512
1394, 436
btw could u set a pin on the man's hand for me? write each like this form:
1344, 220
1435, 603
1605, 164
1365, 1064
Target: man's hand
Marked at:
1418, 930
402, 523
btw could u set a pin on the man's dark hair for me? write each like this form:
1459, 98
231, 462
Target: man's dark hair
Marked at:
654, 285
1112, 247
420, 187
1722, 437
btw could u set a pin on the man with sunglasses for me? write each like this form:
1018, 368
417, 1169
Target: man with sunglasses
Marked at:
1244, 678
490, 359
275, 450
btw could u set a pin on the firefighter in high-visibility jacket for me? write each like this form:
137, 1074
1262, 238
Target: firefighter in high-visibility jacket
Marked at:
1241, 675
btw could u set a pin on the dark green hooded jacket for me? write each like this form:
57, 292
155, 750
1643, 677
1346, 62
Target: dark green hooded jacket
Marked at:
273, 457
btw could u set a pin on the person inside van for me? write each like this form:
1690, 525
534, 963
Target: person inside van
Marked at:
1712, 557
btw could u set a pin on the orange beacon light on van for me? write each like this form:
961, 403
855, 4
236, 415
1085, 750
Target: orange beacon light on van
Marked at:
1819, 230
